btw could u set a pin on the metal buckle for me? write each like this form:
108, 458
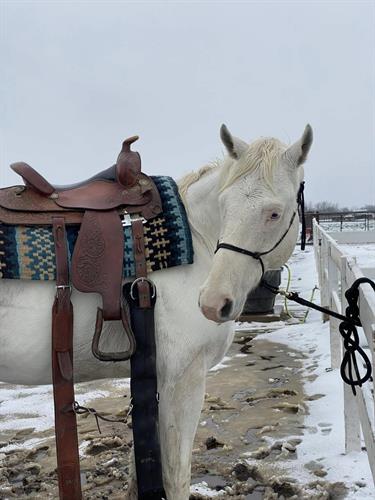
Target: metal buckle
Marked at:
139, 280
63, 287
284, 293
127, 219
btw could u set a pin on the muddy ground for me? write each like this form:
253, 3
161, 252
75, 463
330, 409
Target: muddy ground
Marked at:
251, 407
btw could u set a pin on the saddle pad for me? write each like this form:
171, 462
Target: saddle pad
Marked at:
27, 252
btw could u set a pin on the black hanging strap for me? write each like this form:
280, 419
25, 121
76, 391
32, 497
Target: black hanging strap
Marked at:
145, 400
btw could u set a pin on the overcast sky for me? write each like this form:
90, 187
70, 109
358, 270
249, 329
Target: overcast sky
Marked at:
79, 77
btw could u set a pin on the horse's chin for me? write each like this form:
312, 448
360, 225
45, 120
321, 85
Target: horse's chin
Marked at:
218, 321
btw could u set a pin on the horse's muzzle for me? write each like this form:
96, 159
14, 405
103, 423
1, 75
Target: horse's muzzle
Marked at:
219, 313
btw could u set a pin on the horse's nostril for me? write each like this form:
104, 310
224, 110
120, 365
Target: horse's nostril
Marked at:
226, 309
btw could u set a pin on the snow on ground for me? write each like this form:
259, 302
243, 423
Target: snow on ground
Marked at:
364, 254
222, 364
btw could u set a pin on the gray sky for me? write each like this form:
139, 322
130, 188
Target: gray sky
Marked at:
78, 77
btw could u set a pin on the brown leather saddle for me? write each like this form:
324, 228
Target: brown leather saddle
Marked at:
99, 204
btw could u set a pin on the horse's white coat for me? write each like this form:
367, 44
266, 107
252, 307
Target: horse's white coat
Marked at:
188, 344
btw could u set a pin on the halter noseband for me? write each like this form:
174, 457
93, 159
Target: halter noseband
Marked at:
258, 255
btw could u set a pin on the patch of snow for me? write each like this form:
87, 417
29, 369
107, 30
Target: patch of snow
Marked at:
364, 254
28, 444
221, 365
32, 407
256, 325
121, 383
83, 447
203, 489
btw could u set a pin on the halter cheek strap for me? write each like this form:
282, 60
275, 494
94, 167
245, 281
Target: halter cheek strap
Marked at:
301, 207
258, 255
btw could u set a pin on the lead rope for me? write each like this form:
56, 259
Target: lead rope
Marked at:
351, 339
347, 328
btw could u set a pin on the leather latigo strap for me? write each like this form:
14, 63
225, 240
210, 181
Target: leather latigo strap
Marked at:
62, 373
144, 292
14, 217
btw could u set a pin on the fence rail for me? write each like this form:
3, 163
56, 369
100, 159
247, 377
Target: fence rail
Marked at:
337, 272
359, 219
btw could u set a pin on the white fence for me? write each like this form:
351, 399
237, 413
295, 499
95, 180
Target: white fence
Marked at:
337, 272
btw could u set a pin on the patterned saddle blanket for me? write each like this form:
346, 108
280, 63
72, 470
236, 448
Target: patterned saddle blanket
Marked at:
27, 252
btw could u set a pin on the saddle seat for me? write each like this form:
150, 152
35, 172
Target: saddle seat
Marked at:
37, 182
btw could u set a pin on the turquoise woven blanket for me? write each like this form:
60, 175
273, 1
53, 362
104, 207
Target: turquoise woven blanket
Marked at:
28, 252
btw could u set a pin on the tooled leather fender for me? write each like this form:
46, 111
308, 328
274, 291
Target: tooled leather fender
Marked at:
98, 259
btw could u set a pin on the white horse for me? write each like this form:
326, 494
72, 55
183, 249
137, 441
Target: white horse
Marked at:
248, 200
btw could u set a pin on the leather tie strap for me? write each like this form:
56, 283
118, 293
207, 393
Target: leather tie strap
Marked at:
62, 373
144, 295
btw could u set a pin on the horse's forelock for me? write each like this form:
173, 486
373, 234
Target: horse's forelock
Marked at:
262, 156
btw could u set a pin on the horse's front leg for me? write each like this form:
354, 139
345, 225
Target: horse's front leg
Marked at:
181, 400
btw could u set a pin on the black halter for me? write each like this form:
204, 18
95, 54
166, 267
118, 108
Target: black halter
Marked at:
258, 255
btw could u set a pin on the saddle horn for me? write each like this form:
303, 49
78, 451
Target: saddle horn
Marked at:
128, 165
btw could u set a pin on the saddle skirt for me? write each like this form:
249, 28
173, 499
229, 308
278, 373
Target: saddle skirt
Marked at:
28, 252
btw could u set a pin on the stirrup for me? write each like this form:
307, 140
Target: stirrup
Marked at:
112, 356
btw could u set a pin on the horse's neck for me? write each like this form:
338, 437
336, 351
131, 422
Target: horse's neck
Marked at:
203, 208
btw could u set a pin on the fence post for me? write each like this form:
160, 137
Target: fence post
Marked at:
318, 252
324, 289
352, 422
333, 291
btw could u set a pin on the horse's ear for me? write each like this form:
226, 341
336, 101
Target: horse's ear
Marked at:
297, 153
235, 146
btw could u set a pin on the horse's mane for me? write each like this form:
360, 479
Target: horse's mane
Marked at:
261, 156
192, 177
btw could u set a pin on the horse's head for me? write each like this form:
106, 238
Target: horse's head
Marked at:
258, 214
